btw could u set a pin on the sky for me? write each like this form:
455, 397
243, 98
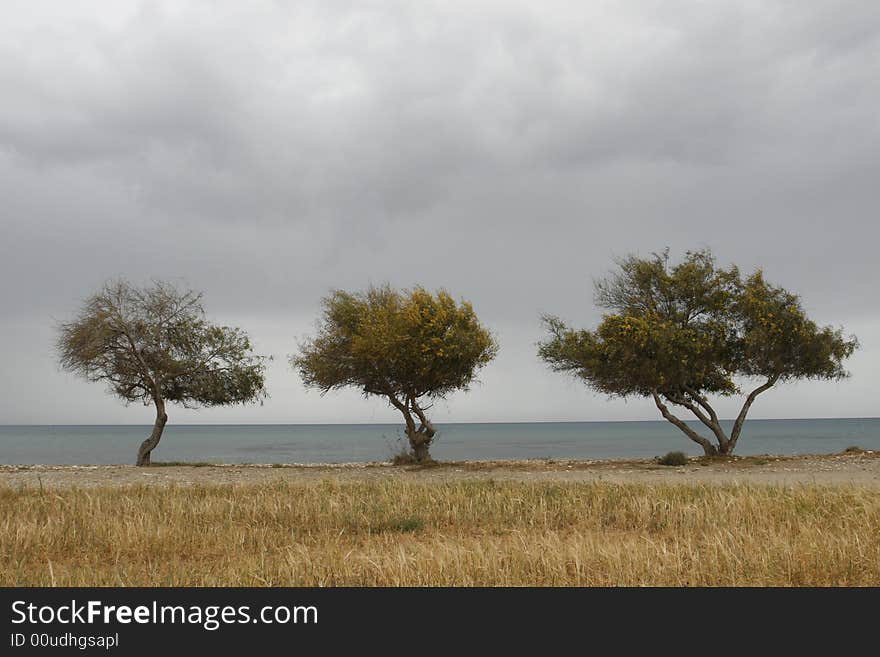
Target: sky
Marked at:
266, 152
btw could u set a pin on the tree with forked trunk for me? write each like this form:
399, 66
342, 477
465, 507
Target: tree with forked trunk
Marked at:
153, 345
410, 347
677, 334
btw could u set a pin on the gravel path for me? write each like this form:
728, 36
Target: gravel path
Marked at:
859, 469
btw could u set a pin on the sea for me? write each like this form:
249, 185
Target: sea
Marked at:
345, 443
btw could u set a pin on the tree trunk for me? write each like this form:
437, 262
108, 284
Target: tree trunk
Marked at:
741, 418
725, 445
420, 440
709, 449
420, 450
150, 443
420, 437
423, 436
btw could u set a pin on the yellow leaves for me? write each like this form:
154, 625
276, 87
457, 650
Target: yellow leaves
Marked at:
410, 339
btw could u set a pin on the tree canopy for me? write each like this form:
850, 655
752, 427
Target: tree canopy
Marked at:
679, 333
407, 346
153, 345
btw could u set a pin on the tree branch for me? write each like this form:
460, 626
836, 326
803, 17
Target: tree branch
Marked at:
707, 446
702, 401
427, 428
711, 421
407, 416
741, 418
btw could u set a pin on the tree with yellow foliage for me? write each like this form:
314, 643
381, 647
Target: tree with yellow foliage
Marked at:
409, 346
677, 334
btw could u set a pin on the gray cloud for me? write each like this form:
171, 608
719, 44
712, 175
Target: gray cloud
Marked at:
507, 151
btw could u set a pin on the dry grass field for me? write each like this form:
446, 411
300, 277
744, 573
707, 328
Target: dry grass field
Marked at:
395, 532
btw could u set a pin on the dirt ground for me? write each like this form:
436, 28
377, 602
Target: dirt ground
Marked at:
861, 469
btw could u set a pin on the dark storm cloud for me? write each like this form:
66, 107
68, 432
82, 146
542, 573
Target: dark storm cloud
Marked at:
266, 152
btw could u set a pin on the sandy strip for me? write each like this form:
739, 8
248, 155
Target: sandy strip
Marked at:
857, 469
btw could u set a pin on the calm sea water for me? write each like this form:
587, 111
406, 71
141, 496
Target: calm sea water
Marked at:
340, 443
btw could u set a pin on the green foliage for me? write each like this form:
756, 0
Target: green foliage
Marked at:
154, 344
693, 327
673, 458
776, 339
404, 345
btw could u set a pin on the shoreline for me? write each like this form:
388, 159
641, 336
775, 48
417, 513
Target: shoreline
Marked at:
860, 468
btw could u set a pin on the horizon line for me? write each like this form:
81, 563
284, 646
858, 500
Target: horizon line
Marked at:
349, 424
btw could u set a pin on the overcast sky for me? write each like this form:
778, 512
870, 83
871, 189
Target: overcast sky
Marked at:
265, 152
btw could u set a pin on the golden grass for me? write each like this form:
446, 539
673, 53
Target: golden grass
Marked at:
466, 533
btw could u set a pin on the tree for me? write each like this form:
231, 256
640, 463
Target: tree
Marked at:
407, 346
153, 345
678, 334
